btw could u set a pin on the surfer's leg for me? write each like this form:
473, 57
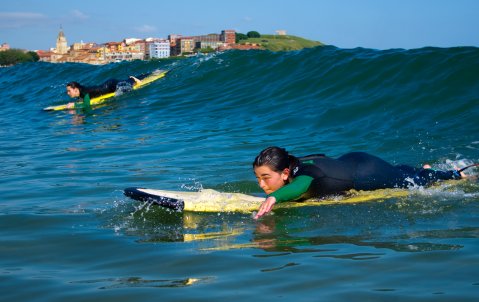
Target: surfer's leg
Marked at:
110, 85
135, 80
124, 86
371, 172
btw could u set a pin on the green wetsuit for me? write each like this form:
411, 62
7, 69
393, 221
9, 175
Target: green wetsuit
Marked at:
87, 93
293, 190
317, 176
85, 104
109, 86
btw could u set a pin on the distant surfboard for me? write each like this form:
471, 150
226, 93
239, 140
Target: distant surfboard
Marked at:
103, 98
213, 201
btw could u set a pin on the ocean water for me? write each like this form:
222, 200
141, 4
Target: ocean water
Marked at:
68, 234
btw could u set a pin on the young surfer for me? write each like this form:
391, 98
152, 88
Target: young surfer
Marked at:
284, 177
75, 90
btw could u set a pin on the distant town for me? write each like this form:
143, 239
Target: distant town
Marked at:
139, 49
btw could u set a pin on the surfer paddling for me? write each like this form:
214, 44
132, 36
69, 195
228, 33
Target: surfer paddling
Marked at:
76, 90
284, 177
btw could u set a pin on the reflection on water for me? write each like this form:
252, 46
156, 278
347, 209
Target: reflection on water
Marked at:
393, 224
112, 283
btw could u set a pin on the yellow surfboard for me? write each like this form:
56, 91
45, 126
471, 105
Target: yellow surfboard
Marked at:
103, 98
209, 200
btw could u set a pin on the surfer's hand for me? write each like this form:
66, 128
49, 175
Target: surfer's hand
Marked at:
266, 207
70, 105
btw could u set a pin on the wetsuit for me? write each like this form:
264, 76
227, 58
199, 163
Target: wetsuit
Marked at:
318, 175
111, 85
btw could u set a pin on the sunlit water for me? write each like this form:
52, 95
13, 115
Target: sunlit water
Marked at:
69, 234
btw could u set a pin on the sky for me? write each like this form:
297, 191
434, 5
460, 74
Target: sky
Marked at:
377, 24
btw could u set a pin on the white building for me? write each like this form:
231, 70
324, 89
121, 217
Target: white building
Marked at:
159, 49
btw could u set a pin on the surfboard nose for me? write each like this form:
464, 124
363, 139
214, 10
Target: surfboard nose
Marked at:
164, 201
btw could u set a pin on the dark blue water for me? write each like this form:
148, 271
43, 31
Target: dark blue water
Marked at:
68, 233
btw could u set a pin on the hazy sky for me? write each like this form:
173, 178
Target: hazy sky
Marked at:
380, 24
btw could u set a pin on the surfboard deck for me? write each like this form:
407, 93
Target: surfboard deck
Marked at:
103, 98
209, 200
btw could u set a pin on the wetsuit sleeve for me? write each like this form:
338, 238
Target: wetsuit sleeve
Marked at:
294, 190
85, 104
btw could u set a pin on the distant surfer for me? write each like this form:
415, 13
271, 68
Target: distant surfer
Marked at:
85, 94
284, 177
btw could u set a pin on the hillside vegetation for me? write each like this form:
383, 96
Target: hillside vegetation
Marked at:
14, 56
281, 43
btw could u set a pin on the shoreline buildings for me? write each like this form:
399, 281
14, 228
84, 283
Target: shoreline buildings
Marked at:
139, 49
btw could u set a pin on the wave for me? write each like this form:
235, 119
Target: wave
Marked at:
337, 100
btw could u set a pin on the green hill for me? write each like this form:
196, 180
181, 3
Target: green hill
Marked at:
281, 43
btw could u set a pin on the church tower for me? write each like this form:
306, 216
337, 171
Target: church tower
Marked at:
62, 46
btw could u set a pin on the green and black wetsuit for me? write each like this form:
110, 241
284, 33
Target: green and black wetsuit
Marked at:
111, 85
318, 175
88, 93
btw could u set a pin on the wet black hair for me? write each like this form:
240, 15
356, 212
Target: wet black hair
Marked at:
75, 85
276, 158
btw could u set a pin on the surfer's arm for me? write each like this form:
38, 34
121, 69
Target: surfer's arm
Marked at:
85, 104
86, 101
291, 191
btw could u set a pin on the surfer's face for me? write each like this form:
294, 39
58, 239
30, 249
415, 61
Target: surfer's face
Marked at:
73, 92
270, 180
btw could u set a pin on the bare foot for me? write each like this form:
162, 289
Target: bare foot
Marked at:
463, 175
137, 81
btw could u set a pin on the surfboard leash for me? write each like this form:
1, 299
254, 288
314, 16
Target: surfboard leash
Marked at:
467, 167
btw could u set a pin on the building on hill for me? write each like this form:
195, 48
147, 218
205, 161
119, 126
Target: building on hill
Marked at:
82, 45
186, 45
158, 49
115, 46
62, 45
209, 44
45, 56
228, 36
247, 46
212, 41
137, 47
4, 47
173, 38
183, 45
59, 53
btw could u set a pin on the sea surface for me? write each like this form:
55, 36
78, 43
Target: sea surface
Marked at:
67, 232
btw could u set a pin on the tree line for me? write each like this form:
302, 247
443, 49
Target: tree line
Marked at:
250, 34
14, 56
